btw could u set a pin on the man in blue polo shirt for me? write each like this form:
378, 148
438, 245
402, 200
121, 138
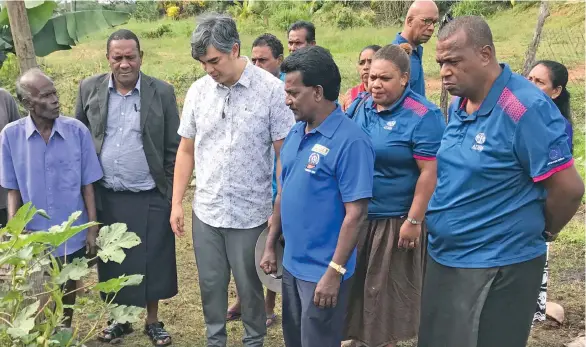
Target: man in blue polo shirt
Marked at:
418, 28
506, 184
326, 181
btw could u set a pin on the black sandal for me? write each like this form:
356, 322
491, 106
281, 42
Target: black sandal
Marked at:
157, 333
115, 332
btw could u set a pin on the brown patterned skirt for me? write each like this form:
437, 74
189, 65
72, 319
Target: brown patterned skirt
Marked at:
386, 287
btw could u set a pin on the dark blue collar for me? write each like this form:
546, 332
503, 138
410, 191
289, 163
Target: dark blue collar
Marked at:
400, 39
495, 91
491, 99
328, 127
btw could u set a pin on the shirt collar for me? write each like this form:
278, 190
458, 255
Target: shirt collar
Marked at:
245, 77
328, 127
400, 39
495, 91
397, 105
136, 87
30, 127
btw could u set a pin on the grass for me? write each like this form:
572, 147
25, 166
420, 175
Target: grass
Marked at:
168, 58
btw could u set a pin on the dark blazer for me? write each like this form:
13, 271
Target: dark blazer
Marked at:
159, 121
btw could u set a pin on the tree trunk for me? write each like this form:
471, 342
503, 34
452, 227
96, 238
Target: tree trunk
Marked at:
21, 35
532, 50
444, 102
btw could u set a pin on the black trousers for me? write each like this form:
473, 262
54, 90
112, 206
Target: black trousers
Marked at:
490, 307
3, 217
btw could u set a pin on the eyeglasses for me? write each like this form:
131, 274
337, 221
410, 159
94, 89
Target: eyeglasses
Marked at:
429, 21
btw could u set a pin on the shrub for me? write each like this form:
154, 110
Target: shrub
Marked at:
146, 11
173, 12
193, 7
478, 7
344, 17
159, 31
9, 73
389, 12
282, 17
32, 316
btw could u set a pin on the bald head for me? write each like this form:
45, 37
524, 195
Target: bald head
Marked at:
420, 21
423, 8
26, 84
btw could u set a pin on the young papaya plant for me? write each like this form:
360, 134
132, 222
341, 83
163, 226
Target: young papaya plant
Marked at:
31, 311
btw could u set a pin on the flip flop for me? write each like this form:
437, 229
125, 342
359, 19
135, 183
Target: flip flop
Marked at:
232, 316
271, 320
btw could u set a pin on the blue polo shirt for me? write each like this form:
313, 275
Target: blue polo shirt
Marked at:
411, 129
488, 206
416, 79
323, 169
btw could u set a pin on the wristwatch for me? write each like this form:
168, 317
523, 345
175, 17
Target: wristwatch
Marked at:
413, 221
339, 268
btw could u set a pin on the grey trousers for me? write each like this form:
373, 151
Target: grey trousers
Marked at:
306, 325
217, 251
490, 307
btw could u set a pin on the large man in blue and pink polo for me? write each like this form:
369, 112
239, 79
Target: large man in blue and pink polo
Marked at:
506, 184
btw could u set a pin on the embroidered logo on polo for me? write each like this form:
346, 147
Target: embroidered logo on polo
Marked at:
480, 140
390, 125
555, 155
312, 162
323, 150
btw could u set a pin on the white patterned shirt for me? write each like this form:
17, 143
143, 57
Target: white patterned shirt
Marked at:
234, 130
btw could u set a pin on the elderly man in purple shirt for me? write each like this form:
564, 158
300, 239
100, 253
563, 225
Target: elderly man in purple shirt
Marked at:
50, 160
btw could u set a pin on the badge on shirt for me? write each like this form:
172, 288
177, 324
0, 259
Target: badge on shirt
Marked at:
480, 139
312, 162
320, 149
390, 125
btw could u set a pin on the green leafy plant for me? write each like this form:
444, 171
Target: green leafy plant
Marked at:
61, 31
159, 31
31, 282
478, 7
146, 11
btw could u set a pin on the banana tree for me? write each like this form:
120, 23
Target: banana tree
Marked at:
54, 32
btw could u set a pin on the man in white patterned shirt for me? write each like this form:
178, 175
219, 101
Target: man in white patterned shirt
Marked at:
231, 118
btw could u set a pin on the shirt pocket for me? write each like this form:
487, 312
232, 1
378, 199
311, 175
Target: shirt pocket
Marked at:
68, 165
70, 178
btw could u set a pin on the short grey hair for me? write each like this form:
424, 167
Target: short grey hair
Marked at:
23, 83
214, 30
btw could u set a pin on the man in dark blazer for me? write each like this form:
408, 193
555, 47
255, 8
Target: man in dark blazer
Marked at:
133, 120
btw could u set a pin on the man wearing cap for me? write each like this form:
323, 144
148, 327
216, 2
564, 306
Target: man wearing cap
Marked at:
506, 184
326, 180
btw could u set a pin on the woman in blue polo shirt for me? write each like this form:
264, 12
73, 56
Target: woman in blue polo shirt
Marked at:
406, 130
552, 78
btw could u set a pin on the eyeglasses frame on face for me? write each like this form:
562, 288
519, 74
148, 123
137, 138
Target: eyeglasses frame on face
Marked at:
429, 21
